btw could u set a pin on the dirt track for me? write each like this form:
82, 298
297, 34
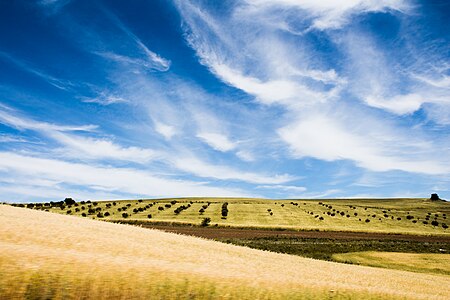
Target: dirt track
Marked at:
229, 233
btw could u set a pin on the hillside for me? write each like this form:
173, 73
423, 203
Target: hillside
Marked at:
405, 216
46, 255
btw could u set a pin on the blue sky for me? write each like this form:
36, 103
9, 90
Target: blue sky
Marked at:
257, 98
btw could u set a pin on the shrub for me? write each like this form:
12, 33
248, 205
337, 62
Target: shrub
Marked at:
167, 206
409, 217
414, 221
321, 218
30, 205
342, 213
445, 226
282, 205
173, 202
114, 203
225, 210
99, 215
149, 216
160, 208
107, 214
205, 222
124, 215
91, 211
119, 209
425, 222
62, 207
140, 209
69, 212
435, 223
367, 220
271, 213
94, 203
98, 209
69, 201
77, 209
83, 214
83, 208
201, 211
399, 219
128, 204
140, 200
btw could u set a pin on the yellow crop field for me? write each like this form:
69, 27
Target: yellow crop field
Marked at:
45, 255
405, 216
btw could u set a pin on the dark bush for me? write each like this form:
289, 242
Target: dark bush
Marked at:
271, 213
99, 215
62, 207
445, 226
282, 205
367, 220
173, 202
435, 223
114, 203
167, 206
160, 208
149, 216
128, 204
107, 214
91, 211
119, 209
425, 222
94, 203
30, 205
83, 214
414, 221
98, 209
83, 208
140, 209
205, 222
202, 210
434, 197
321, 218
355, 214
399, 219
77, 209
409, 217
125, 215
69, 212
140, 200
225, 210
342, 213
135, 210
69, 201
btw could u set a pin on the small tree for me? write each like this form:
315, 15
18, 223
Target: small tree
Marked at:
205, 222
434, 197
69, 201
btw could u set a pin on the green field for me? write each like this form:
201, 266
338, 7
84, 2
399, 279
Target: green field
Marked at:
405, 216
414, 262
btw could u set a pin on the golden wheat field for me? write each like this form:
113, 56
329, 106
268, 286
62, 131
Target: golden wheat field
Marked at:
45, 255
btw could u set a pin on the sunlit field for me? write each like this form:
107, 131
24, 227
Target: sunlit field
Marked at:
46, 255
405, 216
415, 262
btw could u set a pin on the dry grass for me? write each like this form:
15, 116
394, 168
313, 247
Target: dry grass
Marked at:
415, 262
46, 255
302, 216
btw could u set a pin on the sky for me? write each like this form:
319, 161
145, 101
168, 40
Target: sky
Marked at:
241, 98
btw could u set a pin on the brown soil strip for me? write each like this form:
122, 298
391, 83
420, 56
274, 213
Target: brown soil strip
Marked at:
230, 233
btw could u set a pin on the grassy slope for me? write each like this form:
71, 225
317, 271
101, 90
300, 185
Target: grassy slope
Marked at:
425, 263
253, 213
52, 256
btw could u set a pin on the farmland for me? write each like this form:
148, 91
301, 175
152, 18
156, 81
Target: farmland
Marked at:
55, 256
392, 216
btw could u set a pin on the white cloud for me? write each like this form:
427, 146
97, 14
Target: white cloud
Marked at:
217, 141
333, 14
165, 130
86, 147
105, 99
200, 168
280, 187
327, 139
120, 181
400, 104
23, 123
